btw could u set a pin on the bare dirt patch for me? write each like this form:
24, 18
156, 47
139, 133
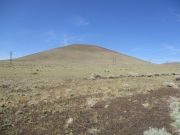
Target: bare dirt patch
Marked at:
119, 116
129, 116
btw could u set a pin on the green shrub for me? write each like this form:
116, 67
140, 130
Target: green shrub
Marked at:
175, 114
155, 131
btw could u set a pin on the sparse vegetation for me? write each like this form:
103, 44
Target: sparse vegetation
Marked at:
175, 114
84, 98
155, 131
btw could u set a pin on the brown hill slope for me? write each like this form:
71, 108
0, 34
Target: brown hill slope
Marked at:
78, 53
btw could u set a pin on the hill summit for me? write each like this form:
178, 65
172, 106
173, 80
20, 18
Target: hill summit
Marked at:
82, 53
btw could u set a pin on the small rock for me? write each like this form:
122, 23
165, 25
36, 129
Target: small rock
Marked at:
3, 105
171, 84
149, 75
25, 106
145, 105
121, 76
94, 76
91, 102
45, 112
156, 74
110, 77
19, 112
132, 74
93, 131
177, 78
34, 73
69, 122
106, 106
7, 125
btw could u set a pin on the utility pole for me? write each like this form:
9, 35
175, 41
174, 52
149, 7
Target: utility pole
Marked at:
114, 60
11, 55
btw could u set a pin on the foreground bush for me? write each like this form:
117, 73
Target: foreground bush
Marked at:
155, 131
175, 114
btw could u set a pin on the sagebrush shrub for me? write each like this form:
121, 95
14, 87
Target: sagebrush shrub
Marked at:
175, 114
155, 131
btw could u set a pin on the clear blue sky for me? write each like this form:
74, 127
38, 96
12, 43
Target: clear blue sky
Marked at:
147, 29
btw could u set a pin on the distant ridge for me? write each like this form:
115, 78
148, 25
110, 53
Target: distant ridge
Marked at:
171, 63
82, 53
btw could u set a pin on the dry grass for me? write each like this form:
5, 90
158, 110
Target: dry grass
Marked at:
46, 97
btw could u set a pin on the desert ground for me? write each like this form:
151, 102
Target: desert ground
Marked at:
93, 92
